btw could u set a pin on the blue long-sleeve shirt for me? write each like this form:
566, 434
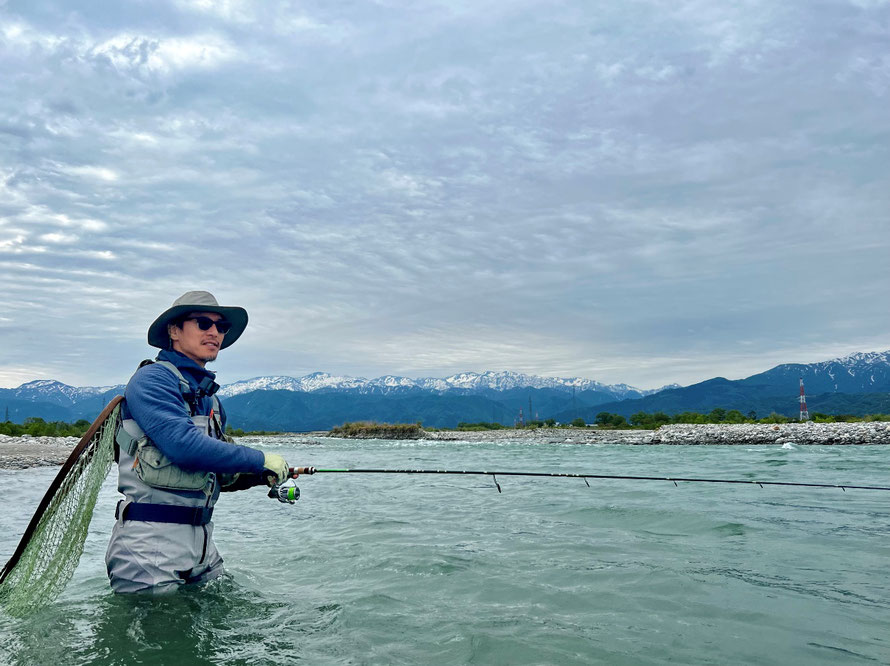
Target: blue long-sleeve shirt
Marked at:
155, 402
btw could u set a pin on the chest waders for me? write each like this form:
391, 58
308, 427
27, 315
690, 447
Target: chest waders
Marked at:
162, 537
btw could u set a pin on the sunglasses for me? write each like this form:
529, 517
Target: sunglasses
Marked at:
204, 323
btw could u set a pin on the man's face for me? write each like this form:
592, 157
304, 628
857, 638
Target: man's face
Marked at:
190, 340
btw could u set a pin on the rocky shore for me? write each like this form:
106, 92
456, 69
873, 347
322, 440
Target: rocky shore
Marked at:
24, 452
692, 434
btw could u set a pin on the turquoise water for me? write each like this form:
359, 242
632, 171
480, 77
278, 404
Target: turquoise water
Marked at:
386, 569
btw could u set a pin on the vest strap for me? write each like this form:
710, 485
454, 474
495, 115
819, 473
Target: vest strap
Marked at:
184, 387
165, 513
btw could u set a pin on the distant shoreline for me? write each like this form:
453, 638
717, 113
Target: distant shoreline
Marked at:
758, 434
26, 452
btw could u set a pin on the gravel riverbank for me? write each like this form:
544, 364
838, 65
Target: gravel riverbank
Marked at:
745, 433
24, 452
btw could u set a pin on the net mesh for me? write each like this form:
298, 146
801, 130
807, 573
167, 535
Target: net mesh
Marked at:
51, 554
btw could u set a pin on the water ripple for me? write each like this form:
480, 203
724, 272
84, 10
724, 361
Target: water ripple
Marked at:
436, 570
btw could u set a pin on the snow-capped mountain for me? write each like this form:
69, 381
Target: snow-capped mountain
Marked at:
58, 393
855, 384
871, 368
465, 381
313, 382
54, 392
392, 382
862, 372
331, 399
660, 389
504, 381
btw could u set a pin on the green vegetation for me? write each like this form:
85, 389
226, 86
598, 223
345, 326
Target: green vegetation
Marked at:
607, 420
37, 427
238, 432
646, 421
481, 425
818, 417
374, 430
485, 425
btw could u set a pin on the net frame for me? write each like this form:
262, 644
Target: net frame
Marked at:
51, 546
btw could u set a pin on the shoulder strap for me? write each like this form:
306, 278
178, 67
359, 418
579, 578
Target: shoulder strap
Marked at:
217, 417
184, 385
185, 388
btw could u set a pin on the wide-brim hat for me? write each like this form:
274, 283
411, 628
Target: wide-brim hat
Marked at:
197, 301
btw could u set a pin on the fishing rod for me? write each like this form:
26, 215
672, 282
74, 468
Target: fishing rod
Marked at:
291, 493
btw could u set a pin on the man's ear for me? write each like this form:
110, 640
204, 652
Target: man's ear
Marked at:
173, 331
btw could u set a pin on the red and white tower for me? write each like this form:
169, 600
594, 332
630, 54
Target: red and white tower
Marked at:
804, 414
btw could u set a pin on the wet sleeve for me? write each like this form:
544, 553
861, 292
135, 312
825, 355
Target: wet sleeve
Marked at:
156, 404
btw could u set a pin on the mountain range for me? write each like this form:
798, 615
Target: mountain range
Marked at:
467, 381
857, 384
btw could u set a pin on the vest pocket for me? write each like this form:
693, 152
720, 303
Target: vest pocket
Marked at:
158, 471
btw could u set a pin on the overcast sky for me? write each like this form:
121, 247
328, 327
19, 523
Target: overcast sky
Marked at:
639, 191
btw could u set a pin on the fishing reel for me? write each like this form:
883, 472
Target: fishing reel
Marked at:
286, 493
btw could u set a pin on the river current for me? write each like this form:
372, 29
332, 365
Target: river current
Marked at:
382, 569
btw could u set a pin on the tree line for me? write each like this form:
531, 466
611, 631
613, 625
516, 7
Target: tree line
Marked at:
647, 421
37, 427
651, 421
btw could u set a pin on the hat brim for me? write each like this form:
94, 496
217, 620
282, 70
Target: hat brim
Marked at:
157, 332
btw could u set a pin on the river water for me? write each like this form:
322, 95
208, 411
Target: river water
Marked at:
381, 569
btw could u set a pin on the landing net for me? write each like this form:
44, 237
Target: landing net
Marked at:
53, 542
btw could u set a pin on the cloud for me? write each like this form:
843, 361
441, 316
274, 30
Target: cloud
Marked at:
237, 11
95, 172
634, 192
127, 52
58, 238
138, 52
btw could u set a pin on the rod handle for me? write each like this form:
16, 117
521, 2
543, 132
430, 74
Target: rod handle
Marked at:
301, 470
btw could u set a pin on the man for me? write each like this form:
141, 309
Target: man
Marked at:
173, 456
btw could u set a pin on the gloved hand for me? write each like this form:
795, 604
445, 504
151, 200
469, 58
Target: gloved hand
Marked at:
275, 465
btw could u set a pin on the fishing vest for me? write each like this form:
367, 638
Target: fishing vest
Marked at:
150, 465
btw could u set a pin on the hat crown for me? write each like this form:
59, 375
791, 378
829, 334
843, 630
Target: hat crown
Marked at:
196, 298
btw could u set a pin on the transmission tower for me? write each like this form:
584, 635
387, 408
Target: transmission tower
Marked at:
804, 414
